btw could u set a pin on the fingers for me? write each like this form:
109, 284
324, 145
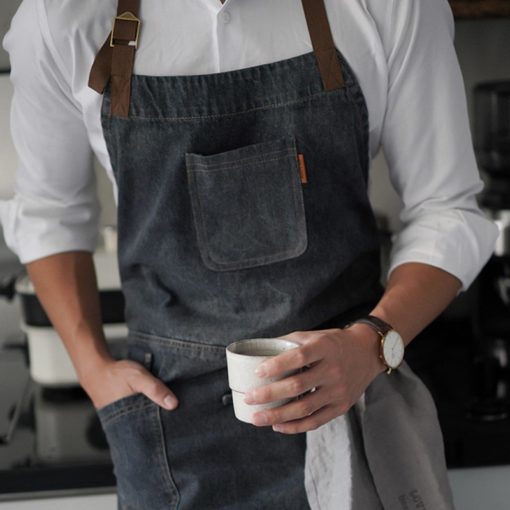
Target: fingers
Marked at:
326, 358
293, 410
155, 389
289, 387
295, 358
311, 422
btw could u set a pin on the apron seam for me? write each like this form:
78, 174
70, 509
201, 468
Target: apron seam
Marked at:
164, 461
272, 106
143, 338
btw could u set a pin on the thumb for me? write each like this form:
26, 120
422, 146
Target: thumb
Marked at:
156, 390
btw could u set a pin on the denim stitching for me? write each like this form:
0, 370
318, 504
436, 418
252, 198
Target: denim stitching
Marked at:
234, 165
232, 162
198, 220
340, 91
141, 338
113, 414
164, 461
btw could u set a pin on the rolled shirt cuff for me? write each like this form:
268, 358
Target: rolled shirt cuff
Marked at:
35, 229
457, 241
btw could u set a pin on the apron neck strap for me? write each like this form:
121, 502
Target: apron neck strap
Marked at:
115, 59
323, 44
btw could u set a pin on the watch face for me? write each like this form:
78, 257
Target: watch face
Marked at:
393, 349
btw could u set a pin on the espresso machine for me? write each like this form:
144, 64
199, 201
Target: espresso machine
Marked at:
491, 311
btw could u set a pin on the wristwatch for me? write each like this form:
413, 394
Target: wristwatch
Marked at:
392, 345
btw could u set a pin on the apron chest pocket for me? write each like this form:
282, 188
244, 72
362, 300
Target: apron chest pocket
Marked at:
247, 204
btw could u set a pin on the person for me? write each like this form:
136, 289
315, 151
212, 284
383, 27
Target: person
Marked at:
238, 137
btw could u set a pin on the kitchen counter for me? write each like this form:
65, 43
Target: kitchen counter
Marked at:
57, 444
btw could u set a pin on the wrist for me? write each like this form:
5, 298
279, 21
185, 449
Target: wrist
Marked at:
91, 365
391, 346
371, 342
394, 319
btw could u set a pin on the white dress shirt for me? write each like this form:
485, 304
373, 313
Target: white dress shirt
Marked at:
402, 54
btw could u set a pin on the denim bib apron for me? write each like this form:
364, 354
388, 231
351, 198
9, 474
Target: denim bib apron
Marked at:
242, 212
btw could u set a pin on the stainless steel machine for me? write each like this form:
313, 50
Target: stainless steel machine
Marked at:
491, 317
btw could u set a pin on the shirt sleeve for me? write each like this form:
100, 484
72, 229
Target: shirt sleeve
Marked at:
54, 207
427, 143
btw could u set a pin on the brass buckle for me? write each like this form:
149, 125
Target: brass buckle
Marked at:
126, 16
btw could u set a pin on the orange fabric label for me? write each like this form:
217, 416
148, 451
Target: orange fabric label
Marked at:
302, 168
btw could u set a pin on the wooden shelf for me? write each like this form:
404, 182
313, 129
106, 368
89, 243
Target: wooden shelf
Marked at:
469, 9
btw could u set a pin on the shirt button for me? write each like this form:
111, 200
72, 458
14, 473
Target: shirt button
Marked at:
225, 16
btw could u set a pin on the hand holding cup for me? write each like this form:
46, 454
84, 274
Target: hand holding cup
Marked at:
243, 357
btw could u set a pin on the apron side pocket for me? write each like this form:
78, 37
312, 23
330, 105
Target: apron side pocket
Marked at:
137, 452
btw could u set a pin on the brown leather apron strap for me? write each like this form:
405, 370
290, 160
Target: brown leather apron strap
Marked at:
115, 59
323, 44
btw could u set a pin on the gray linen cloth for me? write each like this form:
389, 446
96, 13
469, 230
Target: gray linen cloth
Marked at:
386, 453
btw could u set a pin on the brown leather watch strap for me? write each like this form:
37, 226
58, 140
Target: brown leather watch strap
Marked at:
323, 44
115, 59
379, 325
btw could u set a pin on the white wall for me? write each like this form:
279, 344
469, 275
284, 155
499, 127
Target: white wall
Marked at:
8, 157
7, 10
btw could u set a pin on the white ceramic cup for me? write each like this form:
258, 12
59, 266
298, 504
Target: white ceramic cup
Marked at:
243, 357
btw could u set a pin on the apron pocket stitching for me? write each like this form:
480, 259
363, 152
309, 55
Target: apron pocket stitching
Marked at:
195, 159
163, 459
233, 165
279, 190
107, 416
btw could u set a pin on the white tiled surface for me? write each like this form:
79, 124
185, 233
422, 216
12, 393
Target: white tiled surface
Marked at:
481, 488
99, 502
474, 489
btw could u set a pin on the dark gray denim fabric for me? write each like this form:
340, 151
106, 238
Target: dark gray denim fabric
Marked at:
218, 237
198, 456
219, 240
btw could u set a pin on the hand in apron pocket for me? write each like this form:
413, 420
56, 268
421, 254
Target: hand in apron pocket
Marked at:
133, 431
